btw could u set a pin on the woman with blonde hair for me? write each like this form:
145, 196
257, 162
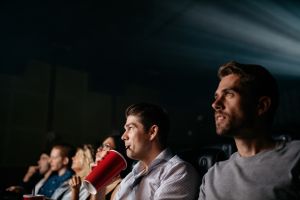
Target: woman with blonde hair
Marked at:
111, 142
81, 163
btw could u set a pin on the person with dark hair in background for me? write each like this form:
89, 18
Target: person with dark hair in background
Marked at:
158, 174
60, 164
114, 142
262, 168
111, 142
33, 175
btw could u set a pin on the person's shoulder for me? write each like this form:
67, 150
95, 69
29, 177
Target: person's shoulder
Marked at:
170, 159
67, 175
127, 178
173, 164
178, 170
177, 163
294, 143
62, 189
292, 146
223, 164
176, 160
69, 172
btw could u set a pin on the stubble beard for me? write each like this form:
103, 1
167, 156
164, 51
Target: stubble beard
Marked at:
223, 129
233, 127
228, 127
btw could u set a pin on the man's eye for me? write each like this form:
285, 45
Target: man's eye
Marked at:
229, 94
128, 128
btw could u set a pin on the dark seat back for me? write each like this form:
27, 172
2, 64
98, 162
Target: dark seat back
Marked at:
204, 158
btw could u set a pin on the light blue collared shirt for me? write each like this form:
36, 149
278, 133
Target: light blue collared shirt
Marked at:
168, 177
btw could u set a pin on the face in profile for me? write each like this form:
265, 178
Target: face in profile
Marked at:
233, 112
57, 162
137, 140
108, 144
43, 163
78, 160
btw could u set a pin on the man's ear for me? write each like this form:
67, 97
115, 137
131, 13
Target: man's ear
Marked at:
153, 132
264, 104
66, 161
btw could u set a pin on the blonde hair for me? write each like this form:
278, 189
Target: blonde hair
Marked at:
88, 158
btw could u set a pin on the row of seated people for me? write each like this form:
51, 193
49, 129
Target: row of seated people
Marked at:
54, 178
59, 174
57, 177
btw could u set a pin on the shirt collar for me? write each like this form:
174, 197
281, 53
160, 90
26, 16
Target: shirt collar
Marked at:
139, 168
66, 175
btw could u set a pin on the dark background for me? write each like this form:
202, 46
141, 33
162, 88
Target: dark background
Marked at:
68, 69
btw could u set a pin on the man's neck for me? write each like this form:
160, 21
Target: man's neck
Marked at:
151, 156
251, 146
62, 171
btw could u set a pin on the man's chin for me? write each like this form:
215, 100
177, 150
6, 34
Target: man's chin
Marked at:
129, 155
222, 132
219, 131
132, 156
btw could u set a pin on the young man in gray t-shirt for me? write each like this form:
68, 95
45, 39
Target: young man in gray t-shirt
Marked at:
261, 169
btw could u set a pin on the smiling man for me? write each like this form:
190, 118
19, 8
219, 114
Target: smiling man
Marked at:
158, 174
262, 169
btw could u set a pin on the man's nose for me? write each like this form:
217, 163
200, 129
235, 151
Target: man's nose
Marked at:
124, 136
218, 104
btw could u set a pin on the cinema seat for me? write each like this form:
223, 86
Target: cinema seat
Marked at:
204, 158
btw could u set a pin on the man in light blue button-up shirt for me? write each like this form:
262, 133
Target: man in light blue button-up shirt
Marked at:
158, 174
